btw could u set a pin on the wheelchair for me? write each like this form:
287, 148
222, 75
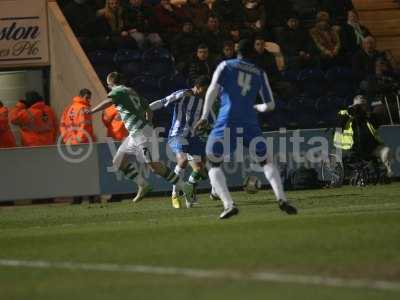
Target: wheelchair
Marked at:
351, 168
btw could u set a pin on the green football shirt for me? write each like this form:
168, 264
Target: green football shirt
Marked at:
131, 107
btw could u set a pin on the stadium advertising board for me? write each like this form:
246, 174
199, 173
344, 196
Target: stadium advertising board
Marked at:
23, 33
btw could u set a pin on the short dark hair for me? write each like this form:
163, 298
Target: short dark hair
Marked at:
31, 97
1, 103
228, 43
115, 77
202, 80
85, 92
246, 48
259, 37
202, 46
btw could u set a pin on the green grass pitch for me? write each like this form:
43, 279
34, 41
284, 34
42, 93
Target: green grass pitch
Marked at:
347, 233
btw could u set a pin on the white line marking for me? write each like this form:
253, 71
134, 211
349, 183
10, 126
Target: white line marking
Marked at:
210, 274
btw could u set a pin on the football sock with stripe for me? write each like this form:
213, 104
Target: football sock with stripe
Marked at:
196, 177
178, 170
171, 176
274, 178
218, 182
131, 172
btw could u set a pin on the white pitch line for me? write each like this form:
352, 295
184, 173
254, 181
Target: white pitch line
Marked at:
210, 274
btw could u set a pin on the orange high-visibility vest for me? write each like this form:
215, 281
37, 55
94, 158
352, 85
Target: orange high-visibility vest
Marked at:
113, 122
7, 139
38, 125
76, 123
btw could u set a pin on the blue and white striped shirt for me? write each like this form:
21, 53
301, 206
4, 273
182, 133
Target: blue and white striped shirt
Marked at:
187, 111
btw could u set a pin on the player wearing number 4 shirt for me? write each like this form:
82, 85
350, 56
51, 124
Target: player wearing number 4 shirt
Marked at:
238, 82
140, 142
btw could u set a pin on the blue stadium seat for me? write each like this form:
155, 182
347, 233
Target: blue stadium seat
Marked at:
103, 70
144, 84
129, 62
312, 82
101, 57
340, 81
157, 54
159, 62
123, 56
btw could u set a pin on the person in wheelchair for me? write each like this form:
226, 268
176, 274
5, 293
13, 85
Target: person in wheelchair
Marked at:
358, 137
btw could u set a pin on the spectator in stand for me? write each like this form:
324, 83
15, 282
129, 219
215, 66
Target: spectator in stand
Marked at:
168, 18
267, 62
276, 16
113, 16
235, 34
185, 44
353, 33
326, 41
337, 9
138, 16
201, 64
197, 11
264, 59
7, 139
76, 121
295, 45
383, 81
364, 60
254, 16
213, 35
229, 12
36, 121
82, 19
113, 122
228, 52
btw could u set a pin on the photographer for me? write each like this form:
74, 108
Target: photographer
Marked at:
382, 88
358, 134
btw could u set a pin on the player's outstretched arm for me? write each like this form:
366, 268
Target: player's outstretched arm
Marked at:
102, 106
266, 95
156, 105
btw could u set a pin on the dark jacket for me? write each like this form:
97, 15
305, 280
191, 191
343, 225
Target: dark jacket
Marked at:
198, 68
363, 65
294, 41
349, 39
139, 18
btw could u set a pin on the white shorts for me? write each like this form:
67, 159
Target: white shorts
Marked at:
142, 144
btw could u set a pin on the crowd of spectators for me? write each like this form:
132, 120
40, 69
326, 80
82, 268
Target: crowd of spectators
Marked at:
302, 34
309, 49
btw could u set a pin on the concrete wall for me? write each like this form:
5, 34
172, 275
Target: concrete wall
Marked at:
70, 68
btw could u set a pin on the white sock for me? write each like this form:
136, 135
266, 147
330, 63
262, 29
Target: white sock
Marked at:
274, 178
139, 179
179, 171
218, 182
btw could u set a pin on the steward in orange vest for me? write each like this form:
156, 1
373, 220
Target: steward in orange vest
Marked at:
76, 122
37, 121
113, 122
7, 139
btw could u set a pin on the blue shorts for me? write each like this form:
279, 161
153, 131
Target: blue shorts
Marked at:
222, 145
193, 146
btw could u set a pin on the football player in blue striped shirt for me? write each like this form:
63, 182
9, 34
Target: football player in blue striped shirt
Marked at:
188, 147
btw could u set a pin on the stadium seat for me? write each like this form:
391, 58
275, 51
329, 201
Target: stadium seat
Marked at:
144, 84
129, 62
312, 82
159, 62
101, 57
103, 70
340, 81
